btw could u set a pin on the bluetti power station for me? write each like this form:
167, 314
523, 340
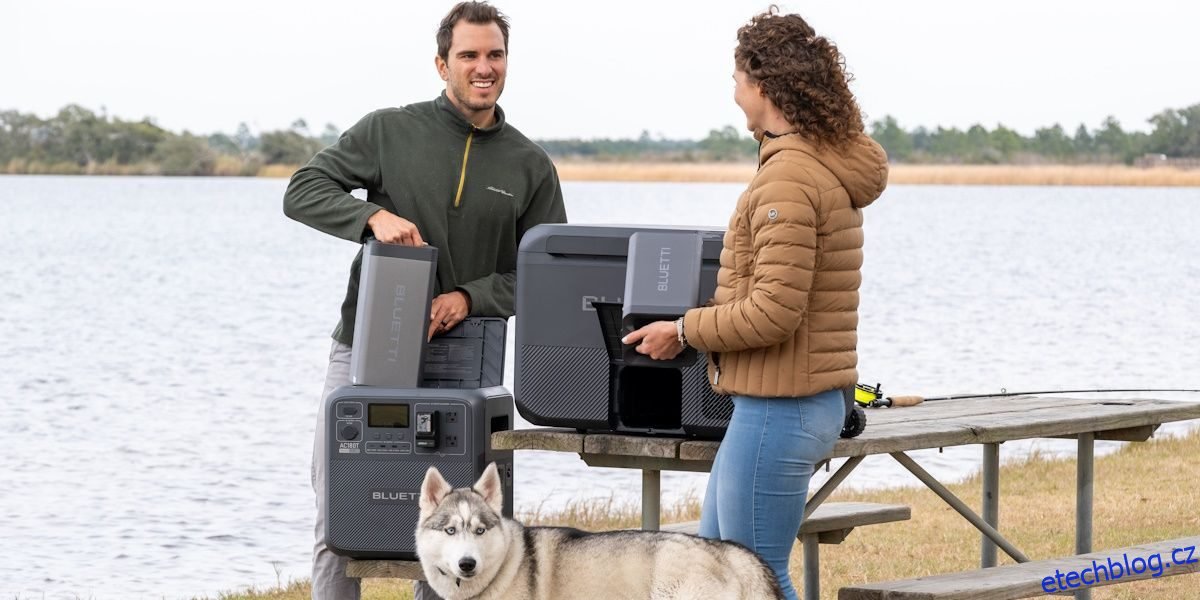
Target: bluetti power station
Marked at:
381, 442
414, 404
571, 372
580, 289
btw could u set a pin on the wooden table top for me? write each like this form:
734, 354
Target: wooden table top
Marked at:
930, 425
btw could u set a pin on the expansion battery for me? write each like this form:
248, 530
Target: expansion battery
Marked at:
395, 291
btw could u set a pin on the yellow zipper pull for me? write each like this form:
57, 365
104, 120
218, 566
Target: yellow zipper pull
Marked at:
462, 178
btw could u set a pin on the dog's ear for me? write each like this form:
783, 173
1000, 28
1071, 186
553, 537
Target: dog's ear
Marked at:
490, 488
433, 490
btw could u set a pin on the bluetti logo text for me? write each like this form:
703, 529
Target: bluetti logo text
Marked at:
397, 323
588, 300
664, 269
394, 497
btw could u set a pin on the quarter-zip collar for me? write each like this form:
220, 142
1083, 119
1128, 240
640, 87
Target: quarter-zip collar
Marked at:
448, 115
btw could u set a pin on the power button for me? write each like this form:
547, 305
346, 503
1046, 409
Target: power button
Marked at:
349, 431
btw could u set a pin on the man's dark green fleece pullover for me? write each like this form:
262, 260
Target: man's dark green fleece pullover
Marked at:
471, 192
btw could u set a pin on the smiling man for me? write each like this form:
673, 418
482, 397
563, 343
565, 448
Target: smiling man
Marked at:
451, 173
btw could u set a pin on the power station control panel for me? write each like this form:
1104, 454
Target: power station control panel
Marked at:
384, 427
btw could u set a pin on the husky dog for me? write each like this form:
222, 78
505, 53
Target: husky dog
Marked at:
468, 550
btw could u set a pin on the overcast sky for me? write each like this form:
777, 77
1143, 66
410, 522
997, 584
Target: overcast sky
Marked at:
610, 68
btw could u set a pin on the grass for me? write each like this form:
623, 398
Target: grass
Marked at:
737, 172
1144, 492
1100, 175
284, 171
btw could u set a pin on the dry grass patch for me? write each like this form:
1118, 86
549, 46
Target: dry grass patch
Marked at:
284, 171
1102, 175
1086, 175
603, 514
1146, 492
656, 171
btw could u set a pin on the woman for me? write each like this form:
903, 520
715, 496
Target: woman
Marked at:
780, 333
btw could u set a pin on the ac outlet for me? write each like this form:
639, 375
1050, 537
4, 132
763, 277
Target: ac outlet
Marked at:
452, 416
452, 441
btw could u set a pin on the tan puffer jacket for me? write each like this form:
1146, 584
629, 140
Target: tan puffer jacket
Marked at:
785, 318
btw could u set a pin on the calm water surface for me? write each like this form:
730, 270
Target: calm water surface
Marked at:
163, 343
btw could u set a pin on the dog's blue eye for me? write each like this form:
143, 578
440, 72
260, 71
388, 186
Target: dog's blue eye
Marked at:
449, 531
480, 531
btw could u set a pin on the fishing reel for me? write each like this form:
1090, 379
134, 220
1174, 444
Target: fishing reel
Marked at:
868, 396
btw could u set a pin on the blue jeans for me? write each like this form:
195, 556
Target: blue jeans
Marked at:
759, 480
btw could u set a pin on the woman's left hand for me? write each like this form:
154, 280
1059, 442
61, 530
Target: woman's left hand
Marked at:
658, 340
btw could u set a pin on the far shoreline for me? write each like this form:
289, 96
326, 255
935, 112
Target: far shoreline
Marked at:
899, 174
742, 172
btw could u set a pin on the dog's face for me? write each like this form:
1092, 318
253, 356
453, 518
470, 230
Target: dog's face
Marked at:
461, 538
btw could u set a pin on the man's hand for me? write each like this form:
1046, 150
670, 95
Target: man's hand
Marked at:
658, 340
390, 229
447, 311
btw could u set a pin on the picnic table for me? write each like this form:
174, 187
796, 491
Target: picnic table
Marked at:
896, 431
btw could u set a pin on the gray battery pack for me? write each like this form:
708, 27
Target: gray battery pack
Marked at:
662, 281
395, 291
662, 276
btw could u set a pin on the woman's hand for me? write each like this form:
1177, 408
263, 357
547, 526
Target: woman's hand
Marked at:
657, 340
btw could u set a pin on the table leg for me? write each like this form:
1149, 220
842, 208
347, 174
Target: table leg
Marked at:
1084, 477
991, 502
959, 506
812, 567
650, 499
838, 477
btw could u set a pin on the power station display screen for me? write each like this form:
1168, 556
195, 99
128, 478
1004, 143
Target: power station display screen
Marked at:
387, 415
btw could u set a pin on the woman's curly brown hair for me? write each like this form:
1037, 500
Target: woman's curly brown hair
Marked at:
802, 73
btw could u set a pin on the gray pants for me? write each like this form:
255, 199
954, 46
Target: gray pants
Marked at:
329, 581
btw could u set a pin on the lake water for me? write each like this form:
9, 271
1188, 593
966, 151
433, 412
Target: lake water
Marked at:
163, 343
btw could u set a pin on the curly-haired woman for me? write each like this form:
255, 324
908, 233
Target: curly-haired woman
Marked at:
782, 329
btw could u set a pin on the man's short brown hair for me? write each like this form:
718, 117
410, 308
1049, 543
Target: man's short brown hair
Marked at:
479, 13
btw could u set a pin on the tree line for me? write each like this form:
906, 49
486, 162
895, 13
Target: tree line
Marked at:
1176, 134
80, 141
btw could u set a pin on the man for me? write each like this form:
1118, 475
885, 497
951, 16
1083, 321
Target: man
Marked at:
450, 173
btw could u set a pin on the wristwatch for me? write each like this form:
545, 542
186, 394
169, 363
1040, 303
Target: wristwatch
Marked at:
679, 332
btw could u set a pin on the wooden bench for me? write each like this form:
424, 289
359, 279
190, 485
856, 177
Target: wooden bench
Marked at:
1025, 580
830, 523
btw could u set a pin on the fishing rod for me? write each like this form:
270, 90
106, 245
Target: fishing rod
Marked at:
873, 397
